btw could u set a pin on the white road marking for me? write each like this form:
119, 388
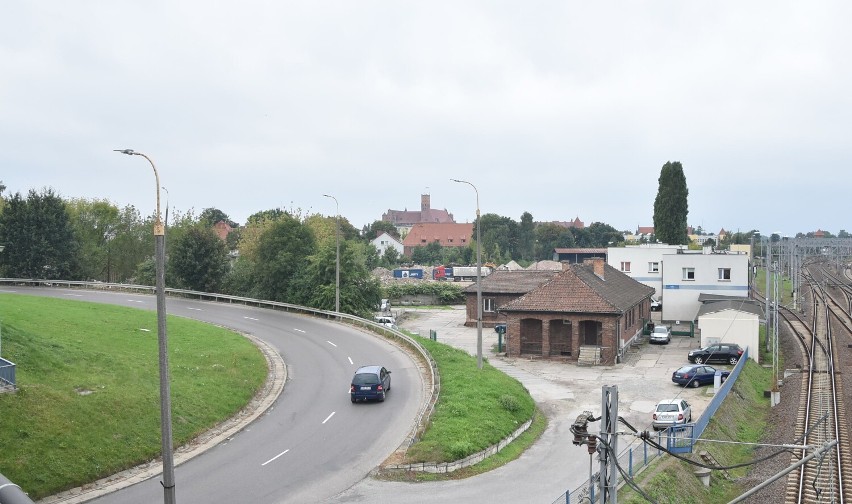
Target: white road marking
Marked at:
252, 318
73, 295
299, 330
134, 301
6, 291
350, 360
330, 343
273, 458
329, 418
194, 309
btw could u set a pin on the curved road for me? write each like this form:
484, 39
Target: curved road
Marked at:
312, 443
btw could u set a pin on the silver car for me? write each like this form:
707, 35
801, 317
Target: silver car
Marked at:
660, 334
671, 412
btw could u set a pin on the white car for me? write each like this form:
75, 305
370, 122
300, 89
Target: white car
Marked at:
660, 334
671, 412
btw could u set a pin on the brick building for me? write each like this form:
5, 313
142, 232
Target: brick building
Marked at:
447, 235
498, 289
587, 308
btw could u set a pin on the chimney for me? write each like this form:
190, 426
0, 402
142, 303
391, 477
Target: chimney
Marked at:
597, 265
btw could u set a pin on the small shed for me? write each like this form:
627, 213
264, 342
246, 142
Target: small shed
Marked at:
731, 321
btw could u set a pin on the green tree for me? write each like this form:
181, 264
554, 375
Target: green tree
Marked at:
526, 237
671, 206
603, 235
95, 224
549, 236
499, 237
282, 252
38, 237
210, 216
378, 227
430, 253
316, 284
199, 260
391, 258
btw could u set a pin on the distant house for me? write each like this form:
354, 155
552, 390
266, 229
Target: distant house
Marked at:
577, 255
587, 313
446, 235
223, 229
404, 220
385, 241
575, 224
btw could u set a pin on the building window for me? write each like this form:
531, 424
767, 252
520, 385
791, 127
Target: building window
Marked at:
724, 274
488, 304
689, 274
653, 267
625, 266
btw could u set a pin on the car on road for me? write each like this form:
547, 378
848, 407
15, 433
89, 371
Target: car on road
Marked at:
671, 412
660, 334
369, 383
724, 353
695, 375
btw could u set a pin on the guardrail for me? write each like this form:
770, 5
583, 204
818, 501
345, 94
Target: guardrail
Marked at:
7, 373
423, 414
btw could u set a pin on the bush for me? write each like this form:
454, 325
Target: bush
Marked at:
444, 293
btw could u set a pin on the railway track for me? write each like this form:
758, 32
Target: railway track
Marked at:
822, 416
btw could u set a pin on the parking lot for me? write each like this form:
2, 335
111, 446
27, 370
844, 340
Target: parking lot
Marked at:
564, 390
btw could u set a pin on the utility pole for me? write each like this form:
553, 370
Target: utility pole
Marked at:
608, 475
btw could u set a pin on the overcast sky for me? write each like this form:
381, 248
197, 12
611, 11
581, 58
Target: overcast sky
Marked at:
562, 109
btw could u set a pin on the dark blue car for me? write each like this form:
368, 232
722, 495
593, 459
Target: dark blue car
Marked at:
695, 375
370, 382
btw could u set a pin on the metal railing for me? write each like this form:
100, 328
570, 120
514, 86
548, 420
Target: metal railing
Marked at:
7, 373
426, 409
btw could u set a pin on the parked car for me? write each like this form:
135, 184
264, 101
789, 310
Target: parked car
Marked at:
695, 375
370, 382
656, 304
660, 334
387, 321
725, 353
671, 412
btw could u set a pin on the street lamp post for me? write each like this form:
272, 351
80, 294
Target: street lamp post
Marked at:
337, 263
165, 391
167, 207
478, 278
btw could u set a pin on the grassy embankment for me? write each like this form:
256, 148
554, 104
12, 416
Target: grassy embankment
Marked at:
476, 409
87, 404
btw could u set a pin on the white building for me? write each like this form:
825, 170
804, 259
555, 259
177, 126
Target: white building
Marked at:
385, 241
643, 263
689, 273
731, 321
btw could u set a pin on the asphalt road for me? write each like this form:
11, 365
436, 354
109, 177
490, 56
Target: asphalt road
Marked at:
312, 443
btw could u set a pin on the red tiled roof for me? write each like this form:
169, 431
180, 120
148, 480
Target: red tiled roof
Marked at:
579, 290
447, 234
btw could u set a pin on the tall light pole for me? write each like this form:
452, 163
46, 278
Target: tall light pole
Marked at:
167, 206
165, 391
478, 278
337, 264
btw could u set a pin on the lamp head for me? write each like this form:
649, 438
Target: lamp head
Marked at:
129, 152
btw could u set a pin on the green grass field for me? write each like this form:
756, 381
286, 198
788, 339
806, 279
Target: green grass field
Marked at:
87, 404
